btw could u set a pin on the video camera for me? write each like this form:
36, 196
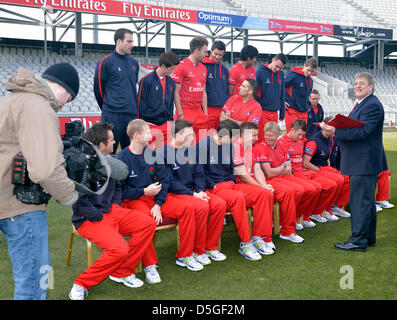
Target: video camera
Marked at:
82, 160
84, 164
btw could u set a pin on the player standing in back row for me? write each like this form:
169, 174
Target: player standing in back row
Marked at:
190, 94
298, 86
217, 85
271, 92
243, 69
115, 87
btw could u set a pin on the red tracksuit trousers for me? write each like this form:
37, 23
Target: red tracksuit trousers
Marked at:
171, 208
261, 201
383, 186
328, 189
214, 114
199, 120
291, 115
235, 203
285, 194
341, 197
209, 217
119, 258
242, 195
305, 200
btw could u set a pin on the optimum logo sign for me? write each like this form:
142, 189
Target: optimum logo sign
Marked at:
214, 18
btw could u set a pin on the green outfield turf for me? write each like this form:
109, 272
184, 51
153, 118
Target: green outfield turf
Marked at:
312, 270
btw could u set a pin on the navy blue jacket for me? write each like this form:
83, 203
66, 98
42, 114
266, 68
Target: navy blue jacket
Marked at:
314, 118
335, 155
324, 146
141, 174
217, 85
361, 148
153, 106
217, 161
271, 91
115, 84
297, 89
93, 207
186, 176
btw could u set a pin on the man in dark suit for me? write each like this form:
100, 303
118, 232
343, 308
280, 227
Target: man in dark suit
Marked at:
362, 159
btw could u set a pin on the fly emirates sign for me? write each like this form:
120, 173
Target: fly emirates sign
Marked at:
114, 7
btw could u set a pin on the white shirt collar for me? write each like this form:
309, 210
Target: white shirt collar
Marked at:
359, 101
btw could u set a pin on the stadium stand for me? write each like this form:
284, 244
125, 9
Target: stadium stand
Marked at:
385, 11
342, 12
386, 81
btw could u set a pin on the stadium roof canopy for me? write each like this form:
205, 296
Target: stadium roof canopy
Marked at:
347, 28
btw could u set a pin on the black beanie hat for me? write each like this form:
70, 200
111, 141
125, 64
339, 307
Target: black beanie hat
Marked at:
65, 75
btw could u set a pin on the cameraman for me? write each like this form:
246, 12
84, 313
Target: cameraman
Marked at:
29, 124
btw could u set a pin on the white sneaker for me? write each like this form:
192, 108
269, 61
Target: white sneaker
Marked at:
378, 208
202, 258
293, 237
318, 218
216, 255
329, 216
384, 204
340, 212
248, 251
261, 247
270, 245
78, 292
151, 274
189, 262
131, 281
309, 224
299, 226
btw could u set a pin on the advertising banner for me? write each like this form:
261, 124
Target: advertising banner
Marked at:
301, 27
113, 7
229, 20
363, 32
87, 121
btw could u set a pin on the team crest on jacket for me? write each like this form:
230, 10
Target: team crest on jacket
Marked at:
133, 174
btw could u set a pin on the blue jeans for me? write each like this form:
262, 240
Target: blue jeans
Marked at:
27, 240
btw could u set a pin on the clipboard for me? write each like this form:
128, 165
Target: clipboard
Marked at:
342, 122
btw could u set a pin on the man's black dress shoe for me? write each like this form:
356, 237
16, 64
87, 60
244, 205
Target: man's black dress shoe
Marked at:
348, 246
